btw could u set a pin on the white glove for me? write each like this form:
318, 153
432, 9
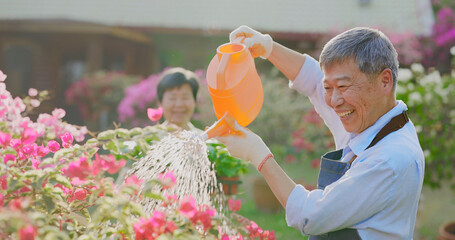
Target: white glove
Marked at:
260, 45
247, 146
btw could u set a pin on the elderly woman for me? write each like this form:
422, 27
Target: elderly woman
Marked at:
177, 92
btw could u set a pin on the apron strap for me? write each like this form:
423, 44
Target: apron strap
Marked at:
396, 123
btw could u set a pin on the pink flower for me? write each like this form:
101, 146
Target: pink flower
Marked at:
32, 92
58, 113
67, 140
3, 182
29, 136
4, 139
168, 179
53, 146
42, 151
80, 194
133, 179
154, 114
9, 157
234, 205
1, 201
27, 233
269, 235
15, 143
188, 207
80, 169
254, 229
205, 217
35, 102
170, 226
2, 76
65, 190
225, 237
107, 163
35, 163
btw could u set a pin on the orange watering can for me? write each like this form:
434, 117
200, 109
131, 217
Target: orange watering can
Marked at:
235, 88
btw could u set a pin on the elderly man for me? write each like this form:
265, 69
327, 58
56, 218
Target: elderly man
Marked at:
369, 188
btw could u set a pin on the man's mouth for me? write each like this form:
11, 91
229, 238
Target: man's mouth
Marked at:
345, 113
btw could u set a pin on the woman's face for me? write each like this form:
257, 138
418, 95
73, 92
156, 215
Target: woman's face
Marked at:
178, 105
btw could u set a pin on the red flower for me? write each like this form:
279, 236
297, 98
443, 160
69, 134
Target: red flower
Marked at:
315, 163
290, 158
80, 194
188, 207
234, 205
27, 233
154, 114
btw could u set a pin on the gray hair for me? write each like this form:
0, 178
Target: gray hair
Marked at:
371, 50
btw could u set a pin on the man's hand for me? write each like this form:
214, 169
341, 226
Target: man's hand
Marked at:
260, 45
248, 146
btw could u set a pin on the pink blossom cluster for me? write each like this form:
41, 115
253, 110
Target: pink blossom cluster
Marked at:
153, 227
80, 170
138, 97
197, 214
12, 111
257, 232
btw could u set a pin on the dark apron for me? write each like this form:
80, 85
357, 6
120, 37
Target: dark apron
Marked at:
332, 170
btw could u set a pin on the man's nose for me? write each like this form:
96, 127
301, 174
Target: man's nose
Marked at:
337, 99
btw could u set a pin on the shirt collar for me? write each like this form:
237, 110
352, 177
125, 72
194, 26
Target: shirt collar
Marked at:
359, 142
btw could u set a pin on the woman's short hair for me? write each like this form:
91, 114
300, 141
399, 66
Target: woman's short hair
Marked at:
369, 48
176, 77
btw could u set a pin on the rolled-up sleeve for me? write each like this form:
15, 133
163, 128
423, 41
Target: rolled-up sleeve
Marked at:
309, 82
363, 191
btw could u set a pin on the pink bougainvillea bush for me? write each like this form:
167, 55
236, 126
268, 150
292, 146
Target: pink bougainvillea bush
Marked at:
56, 185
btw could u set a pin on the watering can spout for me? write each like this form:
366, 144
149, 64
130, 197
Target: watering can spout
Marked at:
224, 125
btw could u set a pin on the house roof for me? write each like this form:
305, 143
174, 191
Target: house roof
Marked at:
211, 16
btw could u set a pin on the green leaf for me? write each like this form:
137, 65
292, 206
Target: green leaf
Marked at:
62, 180
122, 133
112, 146
106, 135
50, 205
135, 131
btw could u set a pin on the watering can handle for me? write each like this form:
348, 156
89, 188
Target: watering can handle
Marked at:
221, 70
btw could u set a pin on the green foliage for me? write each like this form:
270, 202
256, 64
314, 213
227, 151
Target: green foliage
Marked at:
224, 164
431, 101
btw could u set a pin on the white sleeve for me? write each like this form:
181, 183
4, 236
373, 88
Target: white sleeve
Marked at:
363, 191
309, 82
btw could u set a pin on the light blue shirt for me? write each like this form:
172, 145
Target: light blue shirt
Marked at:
379, 194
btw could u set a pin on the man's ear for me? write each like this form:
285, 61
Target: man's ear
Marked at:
386, 81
